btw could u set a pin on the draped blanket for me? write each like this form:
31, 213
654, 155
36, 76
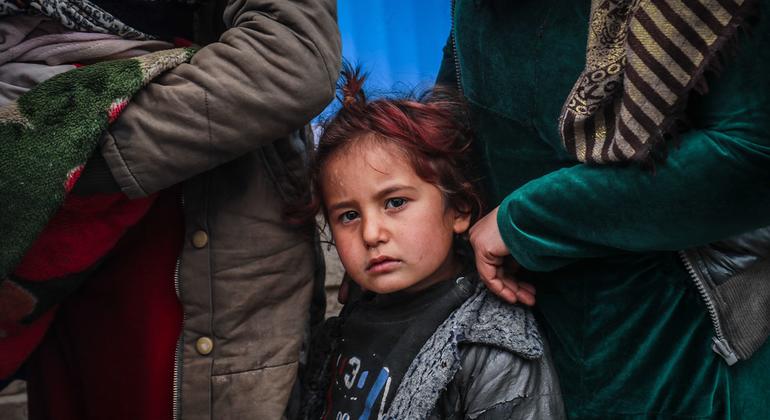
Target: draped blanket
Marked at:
643, 58
46, 137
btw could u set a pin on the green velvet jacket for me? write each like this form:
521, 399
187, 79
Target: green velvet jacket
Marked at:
630, 336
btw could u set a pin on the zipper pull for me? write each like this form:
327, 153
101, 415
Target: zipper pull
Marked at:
723, 349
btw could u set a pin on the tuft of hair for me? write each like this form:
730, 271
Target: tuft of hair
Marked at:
351, 86
431, 130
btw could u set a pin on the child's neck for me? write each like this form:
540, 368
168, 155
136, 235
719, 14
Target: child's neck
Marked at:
449, 270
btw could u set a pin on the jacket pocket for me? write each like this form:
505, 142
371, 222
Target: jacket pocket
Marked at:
743, 303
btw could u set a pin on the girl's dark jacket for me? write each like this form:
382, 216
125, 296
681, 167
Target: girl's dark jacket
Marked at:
485, 361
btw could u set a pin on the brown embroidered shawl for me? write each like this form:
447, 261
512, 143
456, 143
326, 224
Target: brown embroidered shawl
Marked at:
643, 58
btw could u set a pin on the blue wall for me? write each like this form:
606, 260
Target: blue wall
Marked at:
398, 42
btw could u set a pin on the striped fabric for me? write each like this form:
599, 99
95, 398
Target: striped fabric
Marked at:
643, 57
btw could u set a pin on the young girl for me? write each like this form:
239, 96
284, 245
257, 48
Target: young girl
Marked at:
424, 340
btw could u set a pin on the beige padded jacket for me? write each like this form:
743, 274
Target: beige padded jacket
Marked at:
228, 126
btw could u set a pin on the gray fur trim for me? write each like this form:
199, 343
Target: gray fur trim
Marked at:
482, 319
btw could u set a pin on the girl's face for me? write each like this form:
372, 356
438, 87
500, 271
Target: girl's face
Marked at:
392, 230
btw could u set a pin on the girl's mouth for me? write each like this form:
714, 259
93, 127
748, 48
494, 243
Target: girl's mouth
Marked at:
382, 265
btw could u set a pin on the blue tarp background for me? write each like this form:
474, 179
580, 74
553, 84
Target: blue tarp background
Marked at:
398, 42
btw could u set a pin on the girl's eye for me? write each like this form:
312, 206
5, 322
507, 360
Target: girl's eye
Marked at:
348, 216
394, 203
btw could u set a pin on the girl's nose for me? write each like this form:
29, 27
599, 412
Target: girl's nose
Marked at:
374, 233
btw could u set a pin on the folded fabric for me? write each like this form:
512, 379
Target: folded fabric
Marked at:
33, 39
34, 49
77, 47
17, 78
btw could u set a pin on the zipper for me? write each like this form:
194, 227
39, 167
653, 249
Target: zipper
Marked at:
178, 360
454, 49
720, 344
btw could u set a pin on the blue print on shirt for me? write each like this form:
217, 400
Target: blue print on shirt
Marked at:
363, 395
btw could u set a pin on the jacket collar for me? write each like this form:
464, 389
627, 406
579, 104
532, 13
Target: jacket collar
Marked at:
482, 319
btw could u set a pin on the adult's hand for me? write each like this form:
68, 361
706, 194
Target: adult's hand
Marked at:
495, 266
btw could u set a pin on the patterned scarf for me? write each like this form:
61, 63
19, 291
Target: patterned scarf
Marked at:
642, 60
78, 15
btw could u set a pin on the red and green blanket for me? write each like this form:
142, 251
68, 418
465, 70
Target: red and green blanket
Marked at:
49, 239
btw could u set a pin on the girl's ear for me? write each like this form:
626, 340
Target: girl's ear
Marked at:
462, 222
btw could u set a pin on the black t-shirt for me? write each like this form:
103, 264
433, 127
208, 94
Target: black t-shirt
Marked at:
380, 337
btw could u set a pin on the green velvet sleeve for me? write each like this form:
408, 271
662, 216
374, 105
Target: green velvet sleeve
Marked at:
714, 184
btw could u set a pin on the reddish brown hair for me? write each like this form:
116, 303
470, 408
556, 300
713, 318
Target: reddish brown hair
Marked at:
431, 131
